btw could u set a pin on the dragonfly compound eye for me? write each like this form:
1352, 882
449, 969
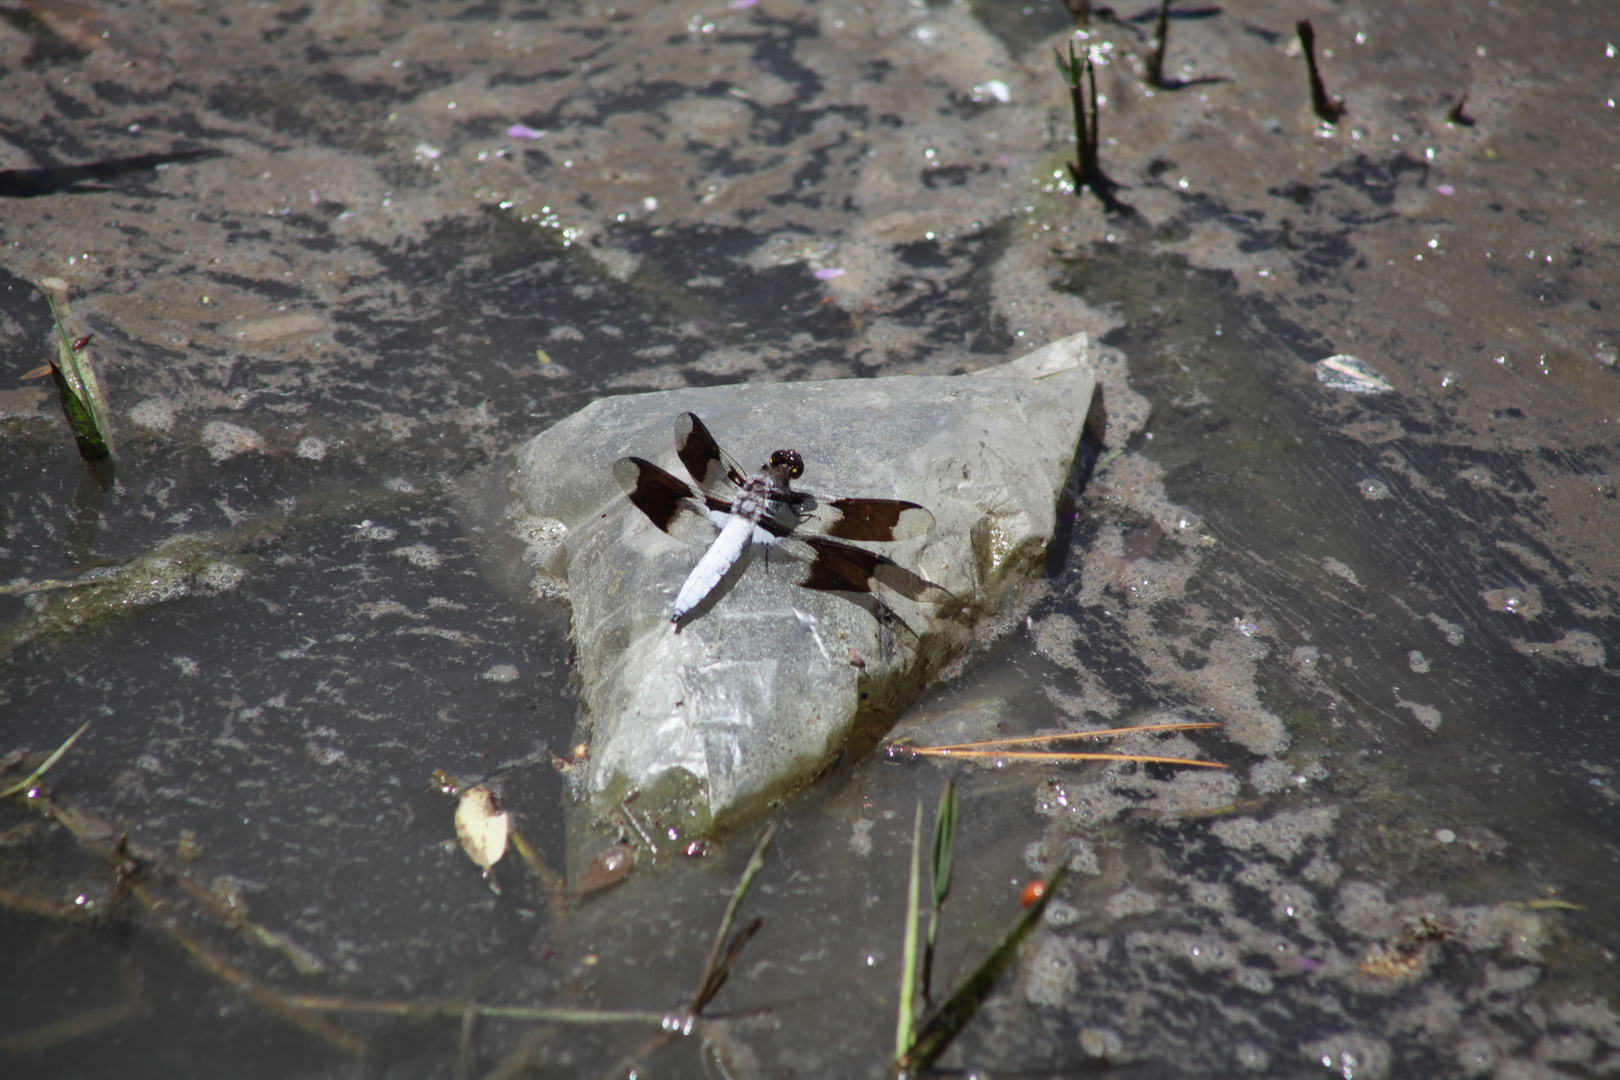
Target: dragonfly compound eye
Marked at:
791, 460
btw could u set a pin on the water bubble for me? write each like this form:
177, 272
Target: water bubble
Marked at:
1101, 1042
1373, 489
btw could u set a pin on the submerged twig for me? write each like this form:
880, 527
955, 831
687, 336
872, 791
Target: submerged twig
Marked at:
267, 998
302, 959
134, 867
27, 588
80, 1025
1328, 109
467, 1056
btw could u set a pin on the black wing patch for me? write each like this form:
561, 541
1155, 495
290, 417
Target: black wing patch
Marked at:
873, 519
709, 465
669, 503
841, 568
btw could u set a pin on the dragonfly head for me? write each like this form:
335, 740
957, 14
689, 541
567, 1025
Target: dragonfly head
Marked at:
788, 462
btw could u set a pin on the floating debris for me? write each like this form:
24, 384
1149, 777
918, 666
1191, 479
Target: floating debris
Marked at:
1350, 374
481, 826
609, 867
1412, 952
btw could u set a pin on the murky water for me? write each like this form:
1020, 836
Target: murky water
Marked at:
421, 234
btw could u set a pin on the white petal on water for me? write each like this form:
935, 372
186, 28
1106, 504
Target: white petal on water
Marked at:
481, 826
1350, 374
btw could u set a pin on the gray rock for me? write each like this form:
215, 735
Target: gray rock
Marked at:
755, 695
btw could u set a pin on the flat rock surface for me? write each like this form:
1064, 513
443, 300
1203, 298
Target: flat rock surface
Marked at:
763, 684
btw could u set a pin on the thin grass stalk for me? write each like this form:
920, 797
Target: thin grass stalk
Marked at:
556, 888
33, 777
939, 876
420, 1009
908, 967
942, 1027
705, 991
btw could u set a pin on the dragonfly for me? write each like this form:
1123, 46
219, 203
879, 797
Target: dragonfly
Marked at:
727, 510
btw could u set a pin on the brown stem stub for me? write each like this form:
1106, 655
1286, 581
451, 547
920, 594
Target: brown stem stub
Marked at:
1086, 170
1153, 62
1328, 109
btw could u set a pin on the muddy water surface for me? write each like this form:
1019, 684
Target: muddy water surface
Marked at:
339, 258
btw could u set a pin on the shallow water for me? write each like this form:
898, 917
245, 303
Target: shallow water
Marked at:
320, 340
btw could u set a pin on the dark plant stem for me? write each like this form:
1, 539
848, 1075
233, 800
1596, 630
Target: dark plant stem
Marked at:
1082, 79
723, 953
1154, 60
1328, 109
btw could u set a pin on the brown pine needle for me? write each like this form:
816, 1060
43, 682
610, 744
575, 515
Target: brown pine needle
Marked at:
998, 749
1055, 756
1069, 736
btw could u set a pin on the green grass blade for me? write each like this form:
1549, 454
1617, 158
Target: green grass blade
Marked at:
940, 1029
34, 776
944, 841
940, 877
92, 447
908, 974
83, 403
1064, 67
